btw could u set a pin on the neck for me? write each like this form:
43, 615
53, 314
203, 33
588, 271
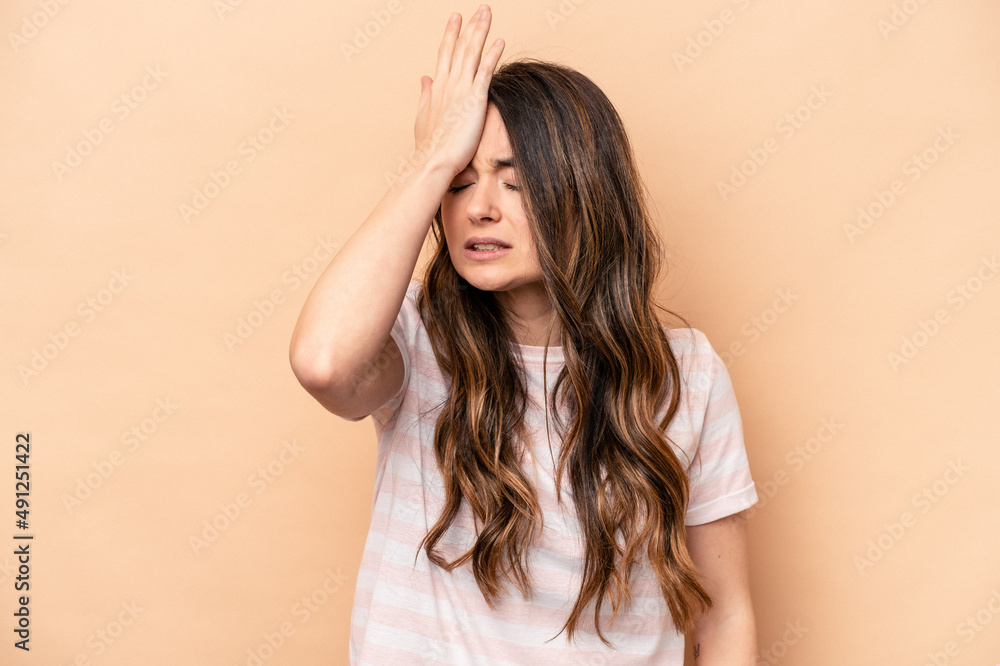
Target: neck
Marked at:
530, 314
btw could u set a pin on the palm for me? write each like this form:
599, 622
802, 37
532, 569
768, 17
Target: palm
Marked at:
452, 108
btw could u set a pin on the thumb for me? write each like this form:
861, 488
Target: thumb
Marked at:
425, 88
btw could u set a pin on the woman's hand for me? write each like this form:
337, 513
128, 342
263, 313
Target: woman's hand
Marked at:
452, 109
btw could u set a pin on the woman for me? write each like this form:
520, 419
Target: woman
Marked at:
560, 477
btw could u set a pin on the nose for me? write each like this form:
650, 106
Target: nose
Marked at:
483, 202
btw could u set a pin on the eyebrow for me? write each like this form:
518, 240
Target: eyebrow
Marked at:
502, 163
497, 163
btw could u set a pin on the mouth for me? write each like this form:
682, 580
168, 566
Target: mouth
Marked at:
483, 255
486, 244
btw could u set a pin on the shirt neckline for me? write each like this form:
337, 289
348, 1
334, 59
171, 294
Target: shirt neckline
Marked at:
537, 353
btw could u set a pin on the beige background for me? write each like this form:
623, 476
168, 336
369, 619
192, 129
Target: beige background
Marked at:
851, 563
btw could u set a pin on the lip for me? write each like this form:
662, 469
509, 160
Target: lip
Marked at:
483, 255
486, 239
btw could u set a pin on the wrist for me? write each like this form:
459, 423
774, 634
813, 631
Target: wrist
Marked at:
427, 167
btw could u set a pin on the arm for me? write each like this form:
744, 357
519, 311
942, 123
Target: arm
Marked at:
726, 635
347, 317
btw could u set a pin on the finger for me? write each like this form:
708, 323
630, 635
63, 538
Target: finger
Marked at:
425, 88
475, 50
422, 104
488, 65
451, 31
459, 53
478, 51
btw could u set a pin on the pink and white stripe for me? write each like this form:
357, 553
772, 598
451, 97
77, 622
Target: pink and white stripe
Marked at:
409, 611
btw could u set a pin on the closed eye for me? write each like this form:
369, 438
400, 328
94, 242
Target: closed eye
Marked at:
458, 188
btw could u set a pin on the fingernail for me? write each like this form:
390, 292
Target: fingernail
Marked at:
453, 17
482, 11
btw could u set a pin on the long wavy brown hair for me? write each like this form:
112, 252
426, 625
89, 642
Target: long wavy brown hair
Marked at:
600, 256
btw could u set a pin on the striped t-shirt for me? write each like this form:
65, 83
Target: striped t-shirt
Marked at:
406, 613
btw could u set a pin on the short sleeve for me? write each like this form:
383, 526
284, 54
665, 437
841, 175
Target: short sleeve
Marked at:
402, 334
719, 477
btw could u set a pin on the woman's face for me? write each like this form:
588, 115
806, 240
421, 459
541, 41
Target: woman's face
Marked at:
485, 200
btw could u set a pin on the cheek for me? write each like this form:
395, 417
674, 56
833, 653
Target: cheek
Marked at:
527, 242
448, 221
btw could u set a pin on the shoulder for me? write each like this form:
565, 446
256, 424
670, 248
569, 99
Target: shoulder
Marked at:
703, 372
409, 312
688, 339
692, 349
410, 331
413, 289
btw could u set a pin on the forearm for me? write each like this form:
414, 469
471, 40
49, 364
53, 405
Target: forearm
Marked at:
346, 319
349, 312
725, 640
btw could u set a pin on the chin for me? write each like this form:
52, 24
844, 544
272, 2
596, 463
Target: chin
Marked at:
488, 283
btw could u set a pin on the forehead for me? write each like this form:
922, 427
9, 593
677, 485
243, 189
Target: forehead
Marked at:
494, 143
